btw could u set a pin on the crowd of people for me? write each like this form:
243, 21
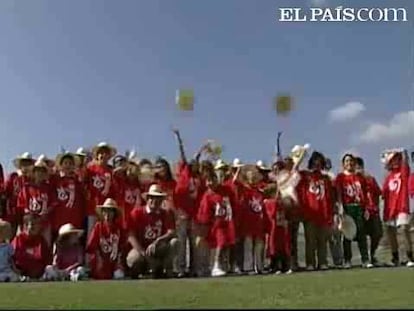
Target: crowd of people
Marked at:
102, 215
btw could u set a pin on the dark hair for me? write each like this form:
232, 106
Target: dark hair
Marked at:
116, 162
66, 156
346, 155
359, 161
316, 155
163, 162
143, 162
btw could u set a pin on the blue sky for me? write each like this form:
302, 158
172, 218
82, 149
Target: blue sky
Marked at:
77, 72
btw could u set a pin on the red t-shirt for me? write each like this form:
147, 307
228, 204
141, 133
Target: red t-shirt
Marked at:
216, 210
105, 245
127, 195
395, 192
318, 208
13, 186
373, 195
279, 233
38, 200
66, 257
189, 191
352, 188
31, 254
254, 221
70, 202
148, 226
98, 182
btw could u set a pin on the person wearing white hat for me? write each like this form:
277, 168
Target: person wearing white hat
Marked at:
69, 204
49, 162
81, 162
14, 183
396, 204
351, 197
37, 197
106, 243
152, 236
68, 258
98, 180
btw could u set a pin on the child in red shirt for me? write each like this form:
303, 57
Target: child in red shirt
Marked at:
106, 243
215, 215
31, 251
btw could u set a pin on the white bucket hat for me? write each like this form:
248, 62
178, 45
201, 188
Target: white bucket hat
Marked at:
81, 152
103, 144
40, 164
237, 163
348, 227
108, 204
24, 156
69, 229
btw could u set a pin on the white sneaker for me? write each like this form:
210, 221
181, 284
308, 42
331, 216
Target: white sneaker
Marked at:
367, 265
278, 272
410, 264
290, 271
324, 267
310, 268
217, 272
347, 265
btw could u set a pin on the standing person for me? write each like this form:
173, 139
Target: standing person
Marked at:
127, 188
152, 239
81, 163
335, 239
70, 195
106, 243
317, 213
215, 215
373, 224
164, 178
253, 220
189, 190
396, 203
38, 197
14, 183
98, 180
351, 192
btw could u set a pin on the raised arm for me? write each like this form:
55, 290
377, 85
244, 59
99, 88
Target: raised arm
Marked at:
180, 145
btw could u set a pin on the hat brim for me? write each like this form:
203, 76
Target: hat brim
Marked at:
238, 165
112, 150
264, 168
101, 208
217, 167
155, 194
17, 161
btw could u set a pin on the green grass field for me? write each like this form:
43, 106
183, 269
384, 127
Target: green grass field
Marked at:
377, 288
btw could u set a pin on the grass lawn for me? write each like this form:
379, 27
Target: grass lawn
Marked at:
377, 288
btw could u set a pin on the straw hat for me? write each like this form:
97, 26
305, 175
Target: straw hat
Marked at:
348, 227
61, 156
105, 145
237, 163
5, 230
26, 156
155, 191
262, 166
39, 164
82, 152
220, 164
108, 204
67, 229
45, 159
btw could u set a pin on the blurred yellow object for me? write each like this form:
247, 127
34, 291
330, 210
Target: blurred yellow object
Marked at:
185, 100
283, 104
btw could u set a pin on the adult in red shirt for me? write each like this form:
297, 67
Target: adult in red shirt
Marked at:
164, 178
38, 197
106, 243
188, 192
127, 188
317, 213
373, 225
152, 237
352, 199
98, 180
215, 215
31, 252
396, 203
70, 196
14, 183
